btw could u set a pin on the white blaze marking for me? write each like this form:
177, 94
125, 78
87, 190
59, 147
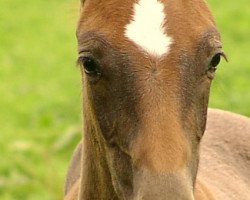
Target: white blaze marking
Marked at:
146, 29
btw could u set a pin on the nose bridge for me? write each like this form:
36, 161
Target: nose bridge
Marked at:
161, 144
161, 151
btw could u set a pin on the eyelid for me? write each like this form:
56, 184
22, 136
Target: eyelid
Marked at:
79, 61
221, 52
82, 55
224, 56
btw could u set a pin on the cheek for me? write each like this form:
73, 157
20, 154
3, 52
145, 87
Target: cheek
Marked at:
114, 107
206, 94
202, 105
194, 104
104, 110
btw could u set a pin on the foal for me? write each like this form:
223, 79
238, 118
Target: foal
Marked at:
147, 67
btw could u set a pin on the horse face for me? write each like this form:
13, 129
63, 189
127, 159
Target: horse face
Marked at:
147, 68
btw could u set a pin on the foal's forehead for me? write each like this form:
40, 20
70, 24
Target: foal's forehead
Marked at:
152, 26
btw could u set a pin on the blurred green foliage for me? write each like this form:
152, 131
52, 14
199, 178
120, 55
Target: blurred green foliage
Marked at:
231, 88
40, 102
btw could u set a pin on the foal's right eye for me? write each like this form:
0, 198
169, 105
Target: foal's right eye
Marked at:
90, 65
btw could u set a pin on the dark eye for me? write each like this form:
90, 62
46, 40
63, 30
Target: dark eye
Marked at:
215, 61
90, 65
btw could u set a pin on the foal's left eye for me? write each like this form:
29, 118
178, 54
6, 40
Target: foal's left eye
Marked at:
216, 61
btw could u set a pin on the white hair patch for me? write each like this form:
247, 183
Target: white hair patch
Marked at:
146, 28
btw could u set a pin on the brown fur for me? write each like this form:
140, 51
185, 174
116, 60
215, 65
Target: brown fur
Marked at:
225, 156
225, 159
144, 117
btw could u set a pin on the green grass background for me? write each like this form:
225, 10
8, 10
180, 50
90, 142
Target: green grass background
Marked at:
40, 98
